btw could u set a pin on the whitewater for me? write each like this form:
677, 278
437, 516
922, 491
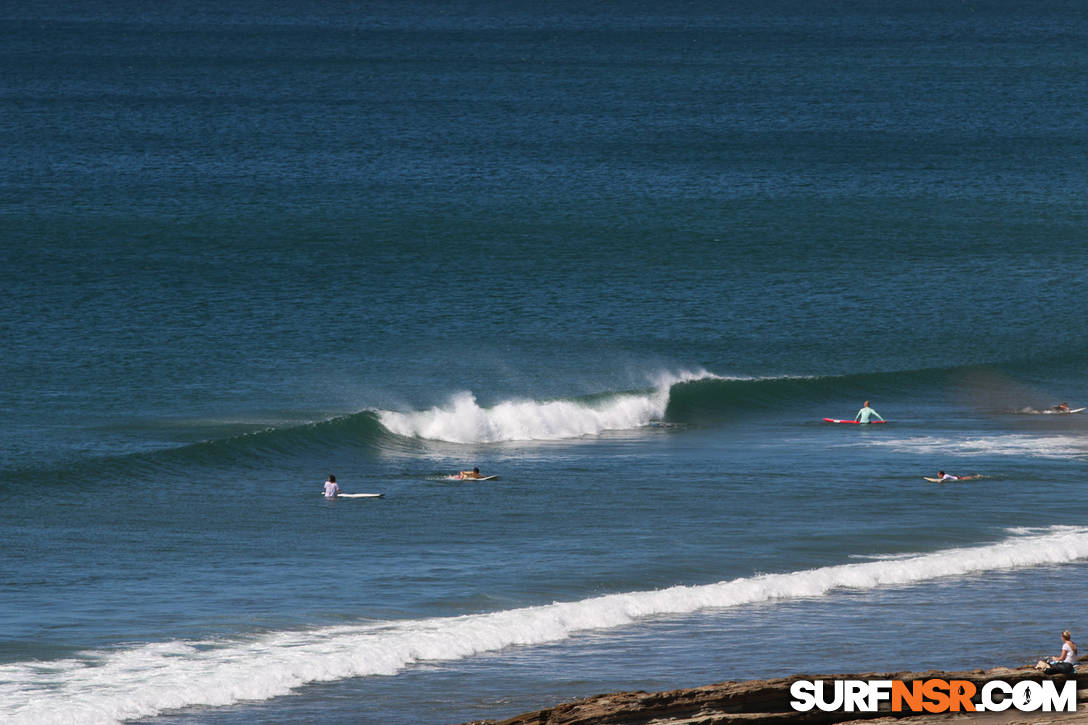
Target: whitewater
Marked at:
463, 420
624, 257
110, 687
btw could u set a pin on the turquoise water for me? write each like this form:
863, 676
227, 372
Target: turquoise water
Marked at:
626, 259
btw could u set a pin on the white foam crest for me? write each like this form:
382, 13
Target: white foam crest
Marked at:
462, 420
140, 682
1052, 447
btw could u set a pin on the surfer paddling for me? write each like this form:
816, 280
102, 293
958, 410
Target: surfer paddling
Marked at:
474, 473
942, 477
866, 413
1061, 408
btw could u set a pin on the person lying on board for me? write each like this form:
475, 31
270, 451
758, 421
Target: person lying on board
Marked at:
942, 477
1061, 408
474, 473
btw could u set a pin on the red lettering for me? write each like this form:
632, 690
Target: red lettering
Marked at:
912, 696
960, 694
937, 692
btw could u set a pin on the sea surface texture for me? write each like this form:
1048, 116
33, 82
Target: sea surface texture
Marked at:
624, 256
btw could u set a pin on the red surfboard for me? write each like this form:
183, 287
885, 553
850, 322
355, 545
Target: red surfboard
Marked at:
854, 422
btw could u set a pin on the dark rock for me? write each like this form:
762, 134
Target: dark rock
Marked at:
766, 702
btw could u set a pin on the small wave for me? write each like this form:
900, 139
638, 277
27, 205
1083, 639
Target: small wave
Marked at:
141, 682
360, 431
884, 557
1050, 447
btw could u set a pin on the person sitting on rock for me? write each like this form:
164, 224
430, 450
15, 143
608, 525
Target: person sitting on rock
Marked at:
1064, 663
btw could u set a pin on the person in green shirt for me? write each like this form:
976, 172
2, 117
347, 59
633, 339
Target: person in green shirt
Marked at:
865, 413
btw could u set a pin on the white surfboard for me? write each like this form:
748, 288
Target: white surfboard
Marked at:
358, 495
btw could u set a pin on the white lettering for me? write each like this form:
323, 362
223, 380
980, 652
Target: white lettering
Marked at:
802, 692
836, 702
854, 695
1027, 696
989, 703
994, 696
1065, 701
879, 691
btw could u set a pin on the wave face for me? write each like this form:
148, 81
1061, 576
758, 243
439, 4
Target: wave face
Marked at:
684, 398
360, 432
109, 687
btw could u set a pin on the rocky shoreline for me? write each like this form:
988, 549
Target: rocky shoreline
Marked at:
766, 702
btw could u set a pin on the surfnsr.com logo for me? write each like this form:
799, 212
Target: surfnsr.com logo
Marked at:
934, 695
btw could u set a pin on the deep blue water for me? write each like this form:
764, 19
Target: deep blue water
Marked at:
625, 258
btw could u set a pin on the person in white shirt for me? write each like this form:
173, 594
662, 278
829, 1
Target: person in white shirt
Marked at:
1063, 664
332, 489
1069, 649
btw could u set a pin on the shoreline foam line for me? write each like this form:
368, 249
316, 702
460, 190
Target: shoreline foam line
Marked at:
143, 681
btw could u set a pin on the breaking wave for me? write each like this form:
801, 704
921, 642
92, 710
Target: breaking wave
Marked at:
463, 420
143, 681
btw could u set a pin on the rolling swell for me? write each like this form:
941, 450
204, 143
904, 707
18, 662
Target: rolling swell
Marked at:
986, 388
719, 400
685, 398
359, 432
694, 398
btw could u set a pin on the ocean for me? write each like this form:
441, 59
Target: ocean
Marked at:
626, 257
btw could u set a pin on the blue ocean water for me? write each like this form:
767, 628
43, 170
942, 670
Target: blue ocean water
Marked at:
625, 257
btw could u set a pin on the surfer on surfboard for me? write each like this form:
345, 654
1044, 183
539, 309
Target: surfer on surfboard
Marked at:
332, 491
1061, 408
865, 413
474, 473
942, 477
